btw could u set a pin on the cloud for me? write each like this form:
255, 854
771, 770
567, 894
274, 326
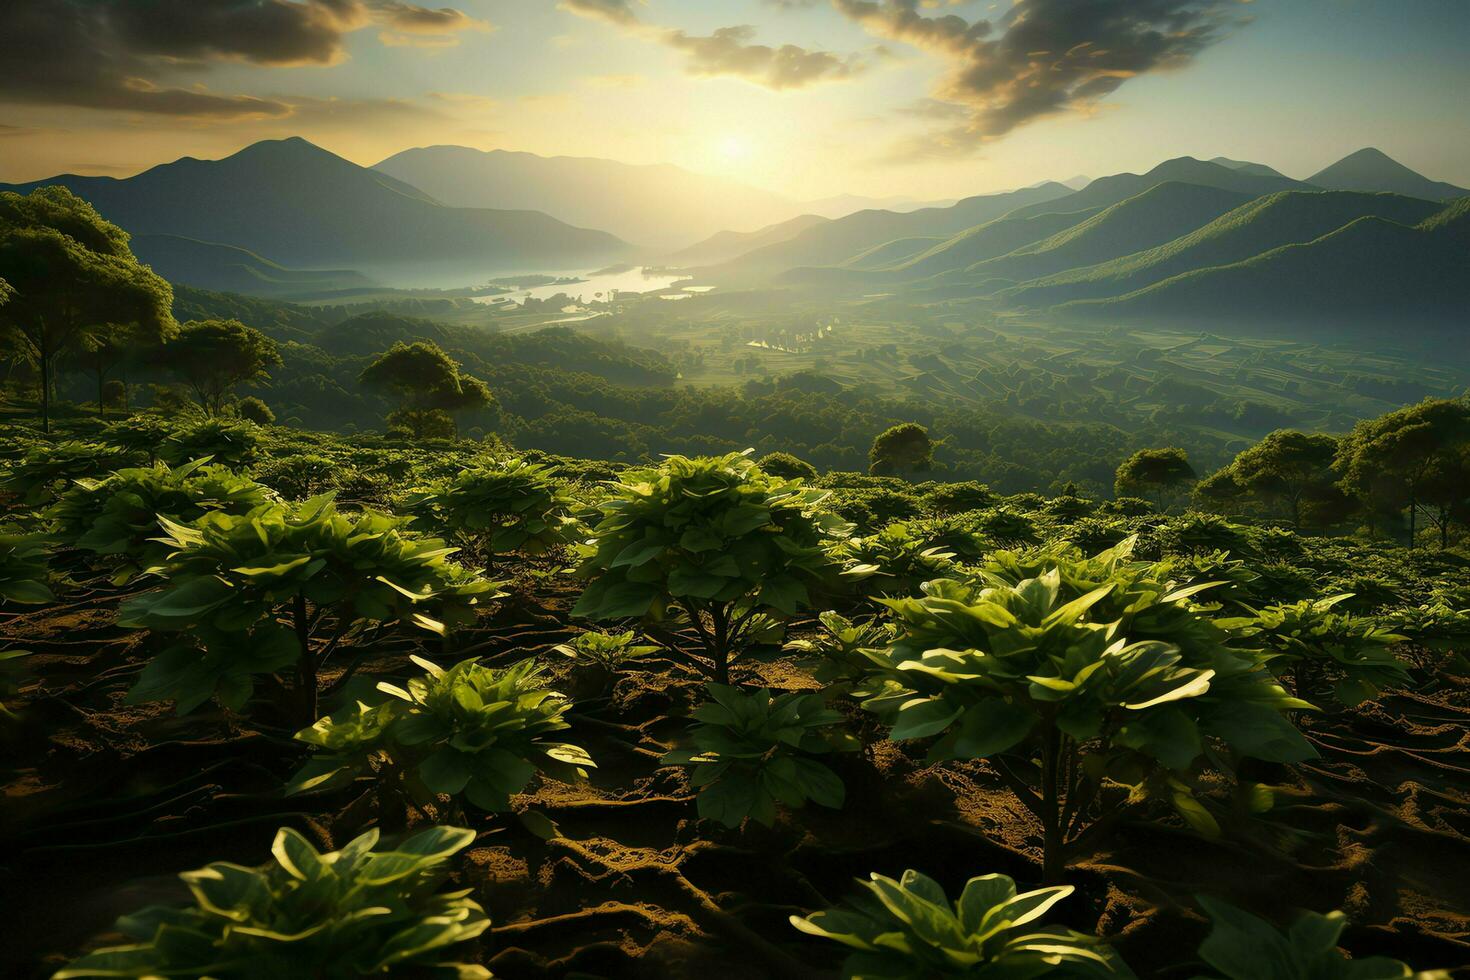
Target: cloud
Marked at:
1042, 58
727, 51
126, 55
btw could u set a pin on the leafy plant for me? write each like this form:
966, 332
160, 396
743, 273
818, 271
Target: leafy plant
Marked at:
607, 653
48, 468
228, 442
751, 751
1243, 947
840, 645
469, 732
24, 579
1071, 671
1312, 643
1008, 526
231, 575
893, 562
501, 507
714, 538
361, 911
138, 435
117, 515
909, 929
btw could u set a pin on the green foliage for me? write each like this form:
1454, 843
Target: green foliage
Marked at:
503, 506
905, 447
427, 380
1007, 526
24, 579
117, 516
1160, 472
842, 646
714, 537
1289, 470
252, 409
787, 466
1310, 643
361, 911
893, 562
213, 357
750, 751
1242, 947
909, 929
138, 435
1098, 668
469, 732
234, 443
46, 469
1194, 534
956, 498
231, 575
608, 651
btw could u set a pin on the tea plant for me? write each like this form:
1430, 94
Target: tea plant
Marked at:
24, 579
909, 929
46, 469
138, 435
1072, 671
715, 539
231, 576
117, 516
893, 562
361, 911
840, 646
1316, 646
500, 507
607, 653
229, 442
1243, 947
750, 751
469, 732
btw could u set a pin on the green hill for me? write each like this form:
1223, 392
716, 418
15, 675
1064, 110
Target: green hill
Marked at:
994, 238
1371, 273
307, 208
1371, 169
1107, 191
725, 245
1159, 214
1268, 222
226, 268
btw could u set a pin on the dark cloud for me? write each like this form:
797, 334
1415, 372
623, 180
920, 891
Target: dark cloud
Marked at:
1043, 57
728, 50
126, 55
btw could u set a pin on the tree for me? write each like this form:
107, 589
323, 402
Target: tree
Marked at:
429, 383
212, 357
1406, 459
905, 446
71, 276
1288, 468
252, 409
1159, 472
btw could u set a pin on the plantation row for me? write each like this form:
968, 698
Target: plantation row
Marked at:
1102, 658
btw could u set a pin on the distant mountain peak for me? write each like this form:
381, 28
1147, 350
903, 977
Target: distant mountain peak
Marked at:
1370, 169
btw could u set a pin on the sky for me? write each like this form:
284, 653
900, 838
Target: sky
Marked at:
922, 99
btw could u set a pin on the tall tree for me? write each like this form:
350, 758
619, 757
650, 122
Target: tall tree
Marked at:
213, 357
1156, 473
73, 277
900, 448
429, 384
1288, 469
1402, 459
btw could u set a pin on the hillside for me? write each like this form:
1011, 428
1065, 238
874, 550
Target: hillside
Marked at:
227, 268
994, 238
1268, 222
725, 245
306, 207
1107, 191
1159, 214
657, 205
1371, 169
836, 241
1370, 273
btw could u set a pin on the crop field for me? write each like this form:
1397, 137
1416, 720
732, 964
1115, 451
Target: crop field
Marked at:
609, 720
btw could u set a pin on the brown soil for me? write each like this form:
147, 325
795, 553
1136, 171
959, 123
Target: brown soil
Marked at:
105, 802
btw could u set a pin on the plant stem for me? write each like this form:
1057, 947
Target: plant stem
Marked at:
1053, 862
306, 664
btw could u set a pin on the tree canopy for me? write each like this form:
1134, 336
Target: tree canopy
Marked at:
429, 383
213, 357
900, 448
1158, 473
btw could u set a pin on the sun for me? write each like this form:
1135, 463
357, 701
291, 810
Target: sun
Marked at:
733, 148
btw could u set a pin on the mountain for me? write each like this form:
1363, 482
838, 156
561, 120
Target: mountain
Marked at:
227, 268
1107, 191
657, 205
996, 237
1371, 273
725, 245
1373, 170
1246, 167
841, 205
836, 241
306, 207
1159, 214
1268, 222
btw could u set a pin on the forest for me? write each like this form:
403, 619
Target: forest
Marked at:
342, 641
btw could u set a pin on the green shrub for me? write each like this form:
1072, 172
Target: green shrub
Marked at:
360, 911
117, 516
252, 409
909, 929
840, 646
47, 469
893, 562
138, 435
750, 751
500, 506
24, 579
1007, 526
229, 442
714, 538
230, 578
955, 498
469, 732
609, 654
787, 466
